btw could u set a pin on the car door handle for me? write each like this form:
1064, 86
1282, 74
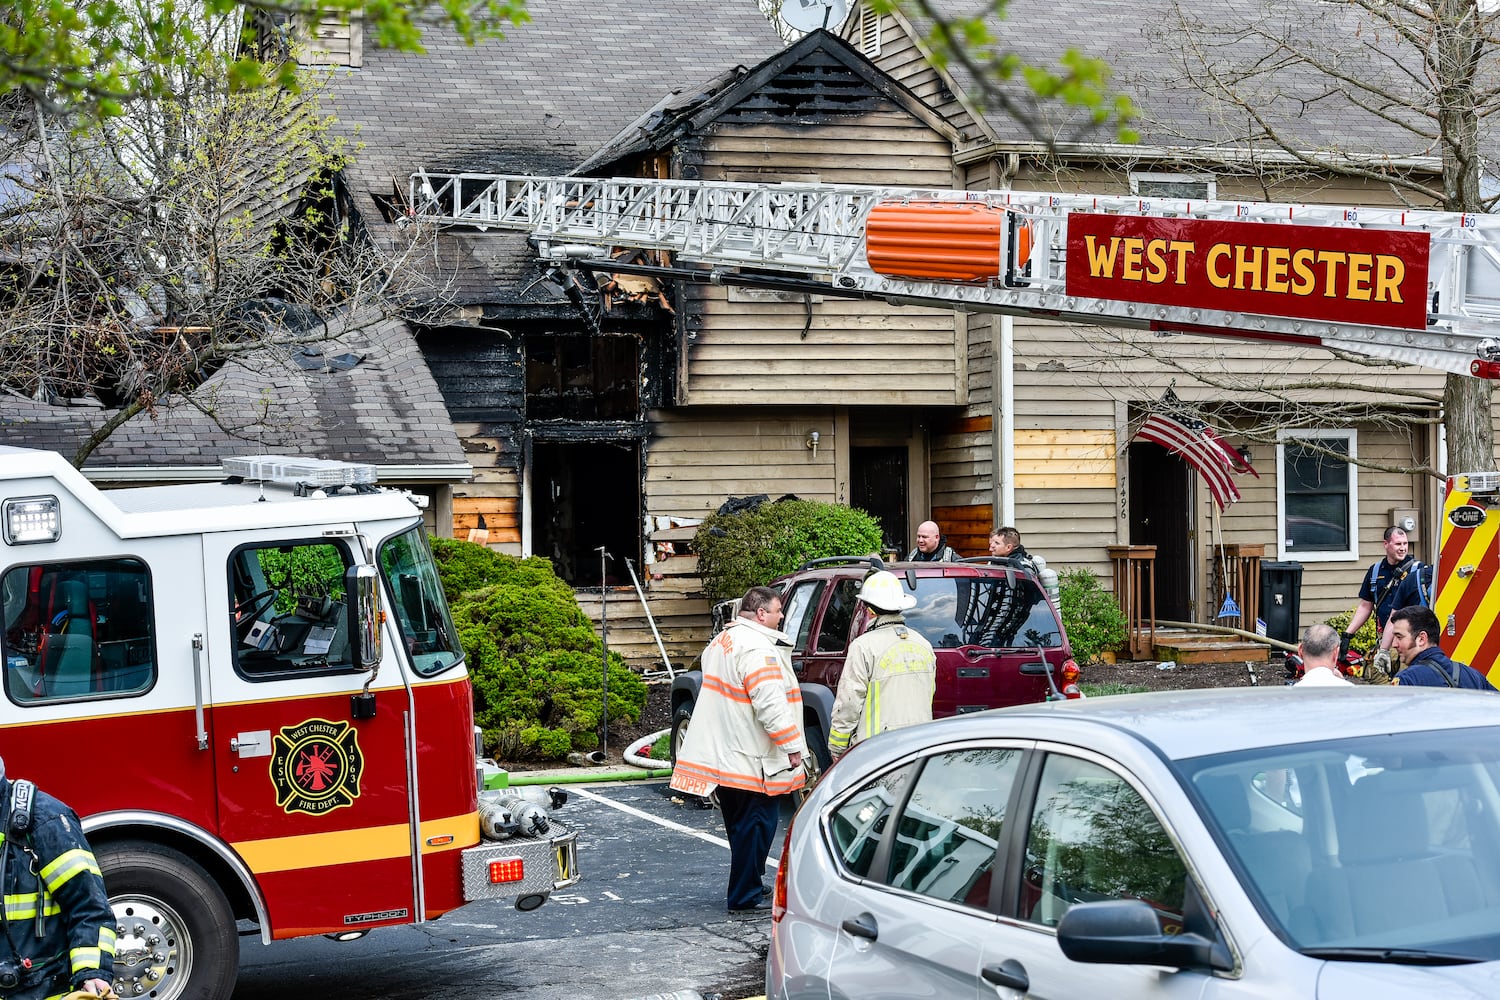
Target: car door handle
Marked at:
862, 926
1009, 973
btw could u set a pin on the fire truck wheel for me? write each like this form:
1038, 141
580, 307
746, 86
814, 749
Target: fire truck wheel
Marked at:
177, 938
680, 723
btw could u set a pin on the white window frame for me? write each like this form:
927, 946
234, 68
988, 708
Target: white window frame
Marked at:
1282, 552
1210, 185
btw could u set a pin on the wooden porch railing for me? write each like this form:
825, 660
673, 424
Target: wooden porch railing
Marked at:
1236, 573
1135, 589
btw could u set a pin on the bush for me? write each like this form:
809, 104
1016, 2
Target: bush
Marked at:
750, 548
535, 661
1091, 615
1365, 640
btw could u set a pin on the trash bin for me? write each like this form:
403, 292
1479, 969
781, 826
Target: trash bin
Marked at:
1281, 599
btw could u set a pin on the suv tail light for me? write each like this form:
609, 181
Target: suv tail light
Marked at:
778, 894
1070, 675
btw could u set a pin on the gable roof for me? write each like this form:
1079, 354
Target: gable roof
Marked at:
1149, 44
540, 101
366, 397
685, 112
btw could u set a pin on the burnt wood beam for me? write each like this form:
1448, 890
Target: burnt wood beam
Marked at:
587, 430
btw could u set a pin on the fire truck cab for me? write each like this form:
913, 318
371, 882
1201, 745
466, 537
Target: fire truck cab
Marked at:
253, 694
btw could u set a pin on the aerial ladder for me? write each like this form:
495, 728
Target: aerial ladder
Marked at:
1418, 287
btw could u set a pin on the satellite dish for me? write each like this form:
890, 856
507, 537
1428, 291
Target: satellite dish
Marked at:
810, 15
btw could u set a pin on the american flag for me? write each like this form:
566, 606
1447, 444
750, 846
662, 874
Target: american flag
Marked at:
1173, 427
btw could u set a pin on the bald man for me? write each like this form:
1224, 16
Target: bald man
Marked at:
931, 545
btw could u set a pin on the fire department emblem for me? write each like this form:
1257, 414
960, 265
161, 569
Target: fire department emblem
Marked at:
315, 766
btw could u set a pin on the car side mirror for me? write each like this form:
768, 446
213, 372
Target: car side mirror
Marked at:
1127, 932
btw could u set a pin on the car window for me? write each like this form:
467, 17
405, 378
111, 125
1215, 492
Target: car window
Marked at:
1004, 611
1369, 842
833, 633
856, 827
797, 607
1092, 837
946, 840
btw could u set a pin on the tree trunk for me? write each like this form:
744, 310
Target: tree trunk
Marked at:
1470, 426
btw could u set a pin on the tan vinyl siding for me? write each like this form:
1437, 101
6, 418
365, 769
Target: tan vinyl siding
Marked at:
755, 348
902, 59
333, 41
695, 461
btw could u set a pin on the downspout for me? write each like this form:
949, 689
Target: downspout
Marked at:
1005, 361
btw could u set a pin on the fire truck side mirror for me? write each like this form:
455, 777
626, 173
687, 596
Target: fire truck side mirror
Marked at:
362, 584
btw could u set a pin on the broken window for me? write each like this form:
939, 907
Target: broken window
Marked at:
582, 378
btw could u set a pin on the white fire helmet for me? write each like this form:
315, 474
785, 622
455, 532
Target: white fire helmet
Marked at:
883, 591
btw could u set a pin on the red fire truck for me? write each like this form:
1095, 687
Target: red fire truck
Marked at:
253, 694
1467, 575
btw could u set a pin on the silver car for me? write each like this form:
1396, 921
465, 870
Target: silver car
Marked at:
1265, 843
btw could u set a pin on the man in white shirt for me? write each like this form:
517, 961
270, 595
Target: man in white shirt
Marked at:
1320, 651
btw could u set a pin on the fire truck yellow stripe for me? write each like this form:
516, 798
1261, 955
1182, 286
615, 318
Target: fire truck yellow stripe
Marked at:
1449, 596
342, 847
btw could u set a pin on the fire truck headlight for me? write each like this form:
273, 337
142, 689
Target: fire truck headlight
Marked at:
32, 519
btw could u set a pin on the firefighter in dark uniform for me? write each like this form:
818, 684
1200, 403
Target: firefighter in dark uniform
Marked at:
59, 929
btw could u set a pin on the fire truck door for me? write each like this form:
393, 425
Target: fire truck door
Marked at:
312, 793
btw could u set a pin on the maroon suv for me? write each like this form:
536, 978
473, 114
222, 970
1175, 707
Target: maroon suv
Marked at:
998, 638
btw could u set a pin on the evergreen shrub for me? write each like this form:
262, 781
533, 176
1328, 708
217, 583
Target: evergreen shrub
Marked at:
534, 658
750, 548
1090, 614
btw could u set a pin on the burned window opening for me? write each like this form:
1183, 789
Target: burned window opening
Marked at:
582, 378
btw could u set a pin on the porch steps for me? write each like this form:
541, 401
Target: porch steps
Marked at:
681, 617
1186, 646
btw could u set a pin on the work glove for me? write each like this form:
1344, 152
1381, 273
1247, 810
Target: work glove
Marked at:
1379, 671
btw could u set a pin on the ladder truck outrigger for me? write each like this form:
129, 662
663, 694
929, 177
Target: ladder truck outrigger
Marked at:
1417, 287
252, 693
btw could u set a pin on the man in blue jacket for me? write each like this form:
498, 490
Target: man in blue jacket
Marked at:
1414, 634
59, 928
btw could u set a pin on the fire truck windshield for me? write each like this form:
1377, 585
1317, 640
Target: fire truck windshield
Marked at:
421, 613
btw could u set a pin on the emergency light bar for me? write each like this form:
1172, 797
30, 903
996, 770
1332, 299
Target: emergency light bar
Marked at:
291, 471
32, 519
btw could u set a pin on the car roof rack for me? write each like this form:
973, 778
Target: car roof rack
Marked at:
1012, 562
874, 562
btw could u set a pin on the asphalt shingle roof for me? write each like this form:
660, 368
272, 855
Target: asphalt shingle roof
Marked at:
1159, 51
386, 410
540, 101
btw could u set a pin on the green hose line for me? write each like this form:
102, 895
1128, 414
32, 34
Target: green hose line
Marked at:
543, 778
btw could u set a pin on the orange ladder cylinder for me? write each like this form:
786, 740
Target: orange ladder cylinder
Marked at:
937, 240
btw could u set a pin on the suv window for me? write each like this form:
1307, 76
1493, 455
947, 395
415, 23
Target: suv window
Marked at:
1092, 838
833, 633
999, 612
798, 606
76, 630
946, 840
857, 826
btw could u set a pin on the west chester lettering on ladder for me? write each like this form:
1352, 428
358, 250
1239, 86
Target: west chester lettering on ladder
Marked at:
1372, 276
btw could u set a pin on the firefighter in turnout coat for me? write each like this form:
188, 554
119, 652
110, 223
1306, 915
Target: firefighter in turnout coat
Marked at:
59, 928
746, 740
889, 674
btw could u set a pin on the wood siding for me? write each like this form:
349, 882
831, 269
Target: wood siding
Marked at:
744, 347
333, 41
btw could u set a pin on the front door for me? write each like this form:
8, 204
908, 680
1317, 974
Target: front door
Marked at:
586, 495
315, 800
877, 485
1159, 515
